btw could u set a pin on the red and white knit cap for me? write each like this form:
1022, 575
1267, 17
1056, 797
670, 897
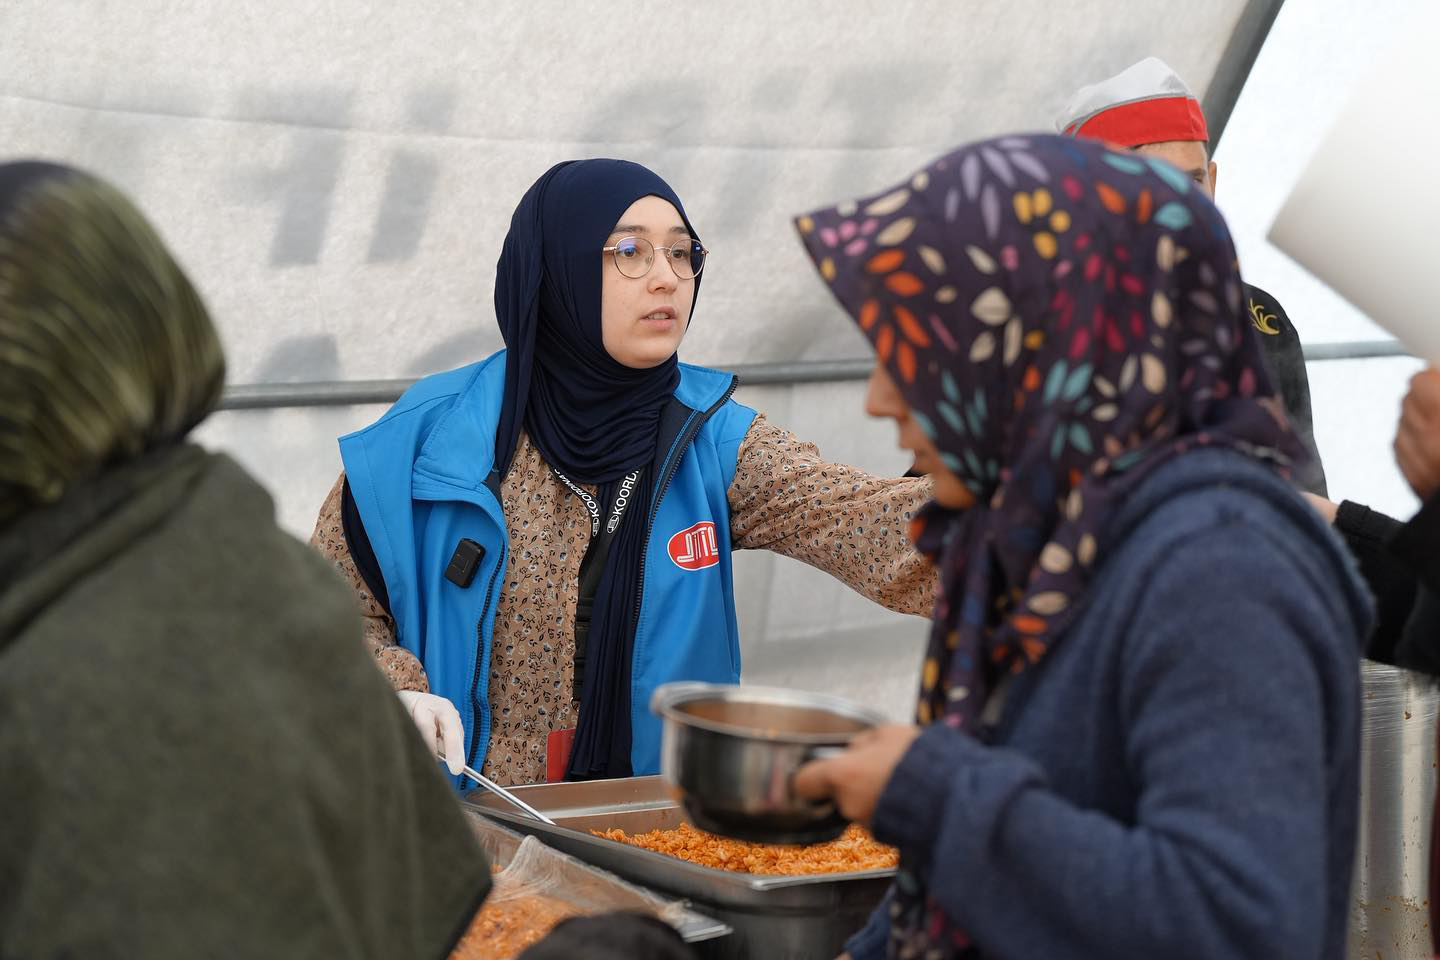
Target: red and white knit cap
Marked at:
1146, 103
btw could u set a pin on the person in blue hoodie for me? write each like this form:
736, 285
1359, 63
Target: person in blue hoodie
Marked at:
1137, 730
541, 539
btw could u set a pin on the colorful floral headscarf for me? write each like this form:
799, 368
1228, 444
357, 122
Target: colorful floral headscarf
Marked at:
1061, 319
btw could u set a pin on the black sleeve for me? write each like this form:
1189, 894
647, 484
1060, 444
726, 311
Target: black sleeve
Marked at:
360, 550
1368, 534
1419, 647
1417, 543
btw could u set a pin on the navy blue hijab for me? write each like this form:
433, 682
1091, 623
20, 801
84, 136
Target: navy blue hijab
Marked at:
590, 416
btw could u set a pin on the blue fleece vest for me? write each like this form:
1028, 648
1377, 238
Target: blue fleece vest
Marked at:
418, 476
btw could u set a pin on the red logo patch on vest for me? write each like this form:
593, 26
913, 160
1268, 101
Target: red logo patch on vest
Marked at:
694, 548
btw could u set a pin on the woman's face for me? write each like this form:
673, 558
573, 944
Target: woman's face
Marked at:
642, 321
883, 399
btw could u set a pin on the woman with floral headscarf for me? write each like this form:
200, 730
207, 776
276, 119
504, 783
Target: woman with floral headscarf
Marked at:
1138, 715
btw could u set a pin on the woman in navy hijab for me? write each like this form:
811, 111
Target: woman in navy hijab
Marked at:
541, 539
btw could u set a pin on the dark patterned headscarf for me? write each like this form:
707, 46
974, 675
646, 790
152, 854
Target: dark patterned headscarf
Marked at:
106, 350
1061, 320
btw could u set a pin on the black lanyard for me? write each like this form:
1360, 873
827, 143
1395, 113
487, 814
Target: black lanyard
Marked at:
593, 564
617, 511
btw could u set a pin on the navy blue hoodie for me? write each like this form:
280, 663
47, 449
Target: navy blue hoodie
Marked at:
1179, 776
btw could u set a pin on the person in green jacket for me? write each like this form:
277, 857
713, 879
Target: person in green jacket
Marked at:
198, 756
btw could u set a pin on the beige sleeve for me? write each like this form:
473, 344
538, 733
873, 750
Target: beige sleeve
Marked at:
399, 665
842, 520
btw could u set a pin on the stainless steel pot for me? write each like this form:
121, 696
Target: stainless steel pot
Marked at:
729, 754
1389, 901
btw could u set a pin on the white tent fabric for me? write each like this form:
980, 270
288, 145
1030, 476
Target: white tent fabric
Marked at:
338, 179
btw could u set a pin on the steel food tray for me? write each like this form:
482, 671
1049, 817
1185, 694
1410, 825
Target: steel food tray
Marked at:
785, 918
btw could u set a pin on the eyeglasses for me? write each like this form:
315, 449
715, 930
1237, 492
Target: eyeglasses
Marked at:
634, 255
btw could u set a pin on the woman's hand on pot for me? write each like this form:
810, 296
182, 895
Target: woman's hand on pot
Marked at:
856, 778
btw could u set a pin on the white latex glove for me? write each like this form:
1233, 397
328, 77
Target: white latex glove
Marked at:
439, 724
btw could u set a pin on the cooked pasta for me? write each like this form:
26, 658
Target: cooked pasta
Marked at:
855, 850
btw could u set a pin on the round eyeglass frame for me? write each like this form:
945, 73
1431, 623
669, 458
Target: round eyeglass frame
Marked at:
689, 252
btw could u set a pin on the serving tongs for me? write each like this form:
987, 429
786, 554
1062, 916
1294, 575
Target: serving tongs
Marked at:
506, 795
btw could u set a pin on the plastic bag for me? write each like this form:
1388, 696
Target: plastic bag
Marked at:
536, 887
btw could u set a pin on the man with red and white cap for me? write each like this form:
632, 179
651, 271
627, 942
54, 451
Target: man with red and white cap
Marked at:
1147, 108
